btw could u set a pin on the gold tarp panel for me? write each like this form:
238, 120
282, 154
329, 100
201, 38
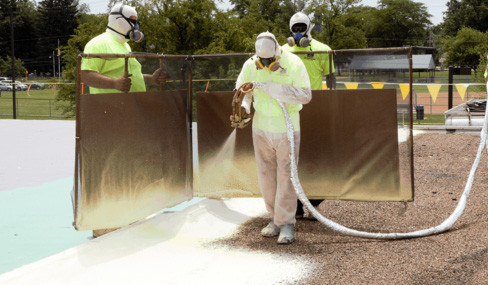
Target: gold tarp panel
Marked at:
133, 157
349, 148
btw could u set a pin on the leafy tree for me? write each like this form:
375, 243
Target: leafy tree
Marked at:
91, 27
6, 67
341, 23
24, 24
57, 21
397, 23
173, 26
196, 27
5, 7
228, 35
257, 16
466, 48
465, 13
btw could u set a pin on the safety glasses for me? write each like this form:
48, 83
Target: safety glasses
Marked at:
299, 28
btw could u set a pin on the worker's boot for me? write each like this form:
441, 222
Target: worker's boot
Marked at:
271, 230
287, 234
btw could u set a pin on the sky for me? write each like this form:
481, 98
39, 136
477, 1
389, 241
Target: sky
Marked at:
435, 7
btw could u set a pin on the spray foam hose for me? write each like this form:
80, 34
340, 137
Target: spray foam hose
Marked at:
446, 225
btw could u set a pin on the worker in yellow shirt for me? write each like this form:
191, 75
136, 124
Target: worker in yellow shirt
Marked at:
317, 66
105, 75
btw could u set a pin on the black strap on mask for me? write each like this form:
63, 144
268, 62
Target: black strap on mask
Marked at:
120, 13
130, 21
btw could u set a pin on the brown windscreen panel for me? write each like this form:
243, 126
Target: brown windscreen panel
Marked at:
133, 157
349, 148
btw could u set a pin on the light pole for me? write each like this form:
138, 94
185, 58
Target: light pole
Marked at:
59, 63
54, 65
13, 60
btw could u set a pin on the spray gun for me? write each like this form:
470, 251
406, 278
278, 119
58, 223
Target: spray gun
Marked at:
240, 118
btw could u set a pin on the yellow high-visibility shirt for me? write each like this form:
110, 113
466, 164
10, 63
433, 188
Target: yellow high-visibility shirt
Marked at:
317, 64
112, 67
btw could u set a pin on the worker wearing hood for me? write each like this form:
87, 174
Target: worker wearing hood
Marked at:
277, 76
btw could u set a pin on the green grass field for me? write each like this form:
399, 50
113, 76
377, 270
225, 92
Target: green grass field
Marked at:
428, 120
34, 105
431, 120
41, 104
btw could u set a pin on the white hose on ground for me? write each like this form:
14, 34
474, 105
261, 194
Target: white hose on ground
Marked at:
446, 225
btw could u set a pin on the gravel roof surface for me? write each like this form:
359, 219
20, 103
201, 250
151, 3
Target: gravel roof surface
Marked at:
459, 256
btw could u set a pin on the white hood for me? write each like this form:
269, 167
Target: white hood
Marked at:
301, 18
267, 46
117, 22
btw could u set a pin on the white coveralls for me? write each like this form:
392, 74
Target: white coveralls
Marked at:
290, 85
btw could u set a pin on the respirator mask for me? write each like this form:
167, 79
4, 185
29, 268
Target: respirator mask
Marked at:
299, 36
271, 63
267, 52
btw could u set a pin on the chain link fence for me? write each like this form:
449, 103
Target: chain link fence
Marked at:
31, 107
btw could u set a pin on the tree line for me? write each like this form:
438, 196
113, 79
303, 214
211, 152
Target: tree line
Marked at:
202, 27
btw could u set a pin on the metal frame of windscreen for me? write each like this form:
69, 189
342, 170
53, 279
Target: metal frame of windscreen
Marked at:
190, 58
408, 50
78, 93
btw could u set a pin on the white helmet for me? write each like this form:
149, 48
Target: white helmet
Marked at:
267, 46
302, 36
119, 21
301, 18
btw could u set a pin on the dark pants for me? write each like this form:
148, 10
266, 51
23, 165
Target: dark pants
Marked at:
314, 203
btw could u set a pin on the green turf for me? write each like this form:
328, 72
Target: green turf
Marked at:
41, 104
38, 104
431, 119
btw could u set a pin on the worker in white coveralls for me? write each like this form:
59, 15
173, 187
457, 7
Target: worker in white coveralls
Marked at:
107, 75
317, 66
277, 76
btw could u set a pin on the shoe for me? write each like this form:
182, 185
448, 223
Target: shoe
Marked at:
300, 214
287, 234
271, 230
310, 217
